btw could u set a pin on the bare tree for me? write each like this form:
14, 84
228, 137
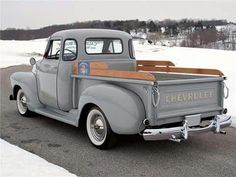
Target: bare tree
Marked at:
154, 37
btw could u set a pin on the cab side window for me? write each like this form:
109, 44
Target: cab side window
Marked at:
70, 50
54, 50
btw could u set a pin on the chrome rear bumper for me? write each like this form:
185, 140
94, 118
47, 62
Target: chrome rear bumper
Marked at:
182, 132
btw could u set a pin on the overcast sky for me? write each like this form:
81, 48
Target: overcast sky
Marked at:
35, 14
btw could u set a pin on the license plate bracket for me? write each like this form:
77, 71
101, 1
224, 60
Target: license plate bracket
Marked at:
193, 120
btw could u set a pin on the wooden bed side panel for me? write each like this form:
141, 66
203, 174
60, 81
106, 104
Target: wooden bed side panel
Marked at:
181, 70
123, 74
154, 63
98, 65
102, 69
93, 65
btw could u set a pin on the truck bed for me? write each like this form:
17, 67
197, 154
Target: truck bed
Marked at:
179, 94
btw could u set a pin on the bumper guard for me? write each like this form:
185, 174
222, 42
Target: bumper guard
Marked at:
181, 133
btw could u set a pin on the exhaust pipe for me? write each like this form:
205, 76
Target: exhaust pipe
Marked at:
146, 122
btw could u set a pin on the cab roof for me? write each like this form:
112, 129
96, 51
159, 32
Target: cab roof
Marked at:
92, 33
81, 35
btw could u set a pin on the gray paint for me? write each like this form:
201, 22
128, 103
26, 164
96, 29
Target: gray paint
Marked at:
58, 94
47, 81
27, 81
123, 108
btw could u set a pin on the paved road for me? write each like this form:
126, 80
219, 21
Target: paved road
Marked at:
69, 147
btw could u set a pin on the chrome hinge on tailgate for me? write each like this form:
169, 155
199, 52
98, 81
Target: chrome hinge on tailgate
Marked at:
226, 95
155, 94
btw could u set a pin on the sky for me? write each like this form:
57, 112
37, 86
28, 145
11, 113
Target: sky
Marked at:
35, 14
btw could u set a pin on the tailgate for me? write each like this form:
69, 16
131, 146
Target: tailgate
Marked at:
179, 98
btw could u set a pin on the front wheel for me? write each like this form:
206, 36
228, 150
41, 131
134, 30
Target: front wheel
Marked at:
98, 129
21, 103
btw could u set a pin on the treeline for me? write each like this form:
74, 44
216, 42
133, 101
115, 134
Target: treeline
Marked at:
171, 27
201, 38
210, 37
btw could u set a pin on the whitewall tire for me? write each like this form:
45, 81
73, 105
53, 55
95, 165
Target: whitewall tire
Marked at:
98, 129
21, 102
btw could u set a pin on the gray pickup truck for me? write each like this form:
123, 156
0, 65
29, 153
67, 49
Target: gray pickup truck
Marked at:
89, 77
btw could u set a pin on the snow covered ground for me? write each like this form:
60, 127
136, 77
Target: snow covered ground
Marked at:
19, 52
16, 162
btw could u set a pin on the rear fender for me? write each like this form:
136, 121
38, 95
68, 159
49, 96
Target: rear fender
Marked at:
123, 108
26, 81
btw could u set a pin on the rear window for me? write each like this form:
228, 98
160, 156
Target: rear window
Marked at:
103, 46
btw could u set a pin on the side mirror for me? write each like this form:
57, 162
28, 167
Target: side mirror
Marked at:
32, 61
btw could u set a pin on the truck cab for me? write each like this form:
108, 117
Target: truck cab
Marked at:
89, 77
67, 47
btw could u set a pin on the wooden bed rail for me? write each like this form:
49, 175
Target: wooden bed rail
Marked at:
155, 63
169, 67
102, 70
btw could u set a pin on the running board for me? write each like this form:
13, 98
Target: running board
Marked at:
66, 117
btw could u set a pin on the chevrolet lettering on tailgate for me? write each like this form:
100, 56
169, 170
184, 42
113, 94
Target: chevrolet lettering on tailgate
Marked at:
188, 96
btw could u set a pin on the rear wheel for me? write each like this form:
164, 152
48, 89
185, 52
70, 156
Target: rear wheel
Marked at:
98, 129
21, 103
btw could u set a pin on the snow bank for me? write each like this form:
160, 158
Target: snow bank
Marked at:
18, 162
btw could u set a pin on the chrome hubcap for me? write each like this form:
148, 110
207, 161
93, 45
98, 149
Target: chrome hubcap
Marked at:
21, 102
97, 127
